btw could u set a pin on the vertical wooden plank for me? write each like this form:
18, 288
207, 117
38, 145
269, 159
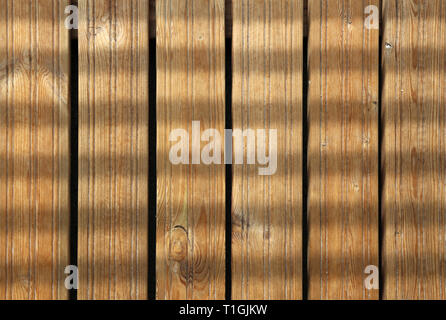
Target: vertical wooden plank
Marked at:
267, 94
113, 149
343, 149
414, 149
190, 238
34, 149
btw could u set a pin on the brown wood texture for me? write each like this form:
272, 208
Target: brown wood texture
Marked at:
190, 240
414, 149
342, 150
267, 94
228, 18
113, 149
34, 148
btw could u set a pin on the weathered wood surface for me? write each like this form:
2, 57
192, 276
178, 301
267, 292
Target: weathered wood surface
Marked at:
414, 149
267, 94
190, 262
113, 149
34, 149
343, 149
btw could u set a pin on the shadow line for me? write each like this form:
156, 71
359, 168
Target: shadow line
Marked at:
74, 152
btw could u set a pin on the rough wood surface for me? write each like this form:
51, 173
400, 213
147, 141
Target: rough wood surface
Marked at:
113, 149
34, 149
343, 149
267, 94
190, 240
414, 149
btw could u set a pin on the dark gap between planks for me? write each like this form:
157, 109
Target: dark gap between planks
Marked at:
74, 152
152, 172
228, 172
305, 79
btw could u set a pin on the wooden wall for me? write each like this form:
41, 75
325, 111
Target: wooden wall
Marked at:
359, 115
34, 149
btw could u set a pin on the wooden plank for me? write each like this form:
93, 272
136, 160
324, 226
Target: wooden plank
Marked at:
414, 149
113, 149
190, 240
34, 148
343, 149
267, 94
228, 18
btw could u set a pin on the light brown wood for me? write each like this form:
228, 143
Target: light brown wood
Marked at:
267, 94
113, 149
34, 149
414, 149
343, 149
190, 240
228, 18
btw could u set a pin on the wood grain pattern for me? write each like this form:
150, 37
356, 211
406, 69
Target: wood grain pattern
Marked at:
414, 149
190, 256
113, 149
34, 149
228, 18
267, 94
343, 149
